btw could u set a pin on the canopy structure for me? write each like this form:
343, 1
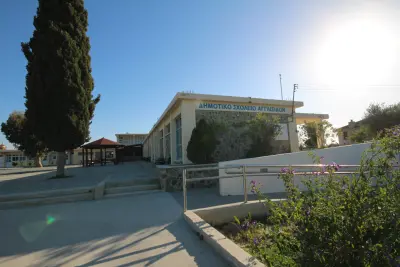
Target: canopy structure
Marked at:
102, 144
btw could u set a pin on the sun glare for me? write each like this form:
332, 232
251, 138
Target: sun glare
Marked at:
360, 52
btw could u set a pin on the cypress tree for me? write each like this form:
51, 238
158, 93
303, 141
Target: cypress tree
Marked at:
59, 101
202, 143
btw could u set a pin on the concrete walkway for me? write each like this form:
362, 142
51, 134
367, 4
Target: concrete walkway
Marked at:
37, 179
143, 230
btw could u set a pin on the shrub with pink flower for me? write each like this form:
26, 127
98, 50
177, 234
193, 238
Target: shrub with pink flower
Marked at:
339, 221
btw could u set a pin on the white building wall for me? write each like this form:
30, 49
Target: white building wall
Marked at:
130, 139
294, 138
344, 155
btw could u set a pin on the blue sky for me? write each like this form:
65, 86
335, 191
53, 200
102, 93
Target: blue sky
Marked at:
343, 55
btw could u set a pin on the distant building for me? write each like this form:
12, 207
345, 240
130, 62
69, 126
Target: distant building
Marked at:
16, 158
346, 131
128, 139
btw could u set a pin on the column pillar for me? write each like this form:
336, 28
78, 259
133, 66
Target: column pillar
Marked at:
293, 137
188, 118
170, 138
173, 140
87, 156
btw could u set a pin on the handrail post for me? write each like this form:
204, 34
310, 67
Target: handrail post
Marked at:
184, 190
244, 183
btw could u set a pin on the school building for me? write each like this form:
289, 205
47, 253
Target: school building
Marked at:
170, 135
129, 139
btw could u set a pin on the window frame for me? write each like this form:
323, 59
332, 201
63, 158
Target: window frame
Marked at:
161, 143
178, 138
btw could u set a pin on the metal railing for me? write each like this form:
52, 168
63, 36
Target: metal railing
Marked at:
243, 172
182, 166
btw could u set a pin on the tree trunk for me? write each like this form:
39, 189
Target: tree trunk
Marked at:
60, 164
38, 161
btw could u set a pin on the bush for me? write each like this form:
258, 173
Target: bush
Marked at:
15, 164
341, 220
262, 130
360, 136
202, 143
315, 134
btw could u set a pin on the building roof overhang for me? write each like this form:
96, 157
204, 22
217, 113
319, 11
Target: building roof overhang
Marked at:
207, 97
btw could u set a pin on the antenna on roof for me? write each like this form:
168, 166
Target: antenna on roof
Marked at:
280, 81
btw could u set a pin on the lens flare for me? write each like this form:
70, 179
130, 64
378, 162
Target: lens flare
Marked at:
50, 219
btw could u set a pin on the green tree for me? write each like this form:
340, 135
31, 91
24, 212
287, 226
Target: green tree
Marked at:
360, 136
59, 83
315, 134
262, 130
202, 143
380, 116
17, 132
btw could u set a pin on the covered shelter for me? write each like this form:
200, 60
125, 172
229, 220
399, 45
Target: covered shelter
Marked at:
101, 144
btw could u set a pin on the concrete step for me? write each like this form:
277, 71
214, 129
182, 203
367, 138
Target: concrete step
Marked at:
127, 189
133, 182
133, 193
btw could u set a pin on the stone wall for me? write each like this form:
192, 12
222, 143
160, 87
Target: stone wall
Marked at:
171, 178
232, 142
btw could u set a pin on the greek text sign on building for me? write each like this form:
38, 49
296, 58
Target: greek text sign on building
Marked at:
241, 107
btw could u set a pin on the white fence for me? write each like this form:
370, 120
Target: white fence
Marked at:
346, 155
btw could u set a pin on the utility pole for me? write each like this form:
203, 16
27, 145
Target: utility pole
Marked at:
280, 81
295, 86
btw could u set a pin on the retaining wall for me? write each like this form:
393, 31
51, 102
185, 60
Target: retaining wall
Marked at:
345, 155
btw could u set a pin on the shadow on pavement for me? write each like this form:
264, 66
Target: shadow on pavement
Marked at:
80, 177
6, 172
140, 230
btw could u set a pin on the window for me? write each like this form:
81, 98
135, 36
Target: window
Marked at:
167, 141
162, 144
345, 135
55, 157
8, 158
178, 124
